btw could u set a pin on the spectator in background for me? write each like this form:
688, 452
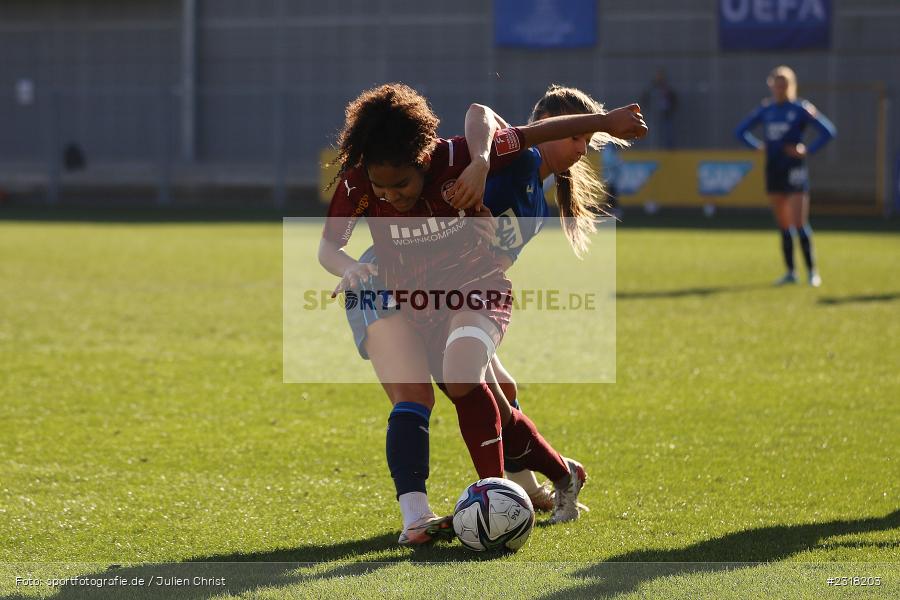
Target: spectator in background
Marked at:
660, 101
73, 157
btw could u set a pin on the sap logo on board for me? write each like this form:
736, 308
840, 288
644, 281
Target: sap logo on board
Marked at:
719, 178
633, 175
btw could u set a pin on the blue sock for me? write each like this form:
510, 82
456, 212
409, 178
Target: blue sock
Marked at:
509, 465
787, 248
805, 234
407, 446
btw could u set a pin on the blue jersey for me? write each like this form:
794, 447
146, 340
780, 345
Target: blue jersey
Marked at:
784, 124
515, 196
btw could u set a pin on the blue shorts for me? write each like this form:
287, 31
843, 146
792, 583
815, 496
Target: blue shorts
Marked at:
363, 307
787, 180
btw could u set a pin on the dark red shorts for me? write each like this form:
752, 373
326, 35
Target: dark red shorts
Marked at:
491, 297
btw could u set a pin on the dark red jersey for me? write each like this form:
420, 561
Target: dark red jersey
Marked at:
433, 245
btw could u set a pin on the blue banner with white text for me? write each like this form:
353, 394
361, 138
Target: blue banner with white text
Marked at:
545, 23
774, 24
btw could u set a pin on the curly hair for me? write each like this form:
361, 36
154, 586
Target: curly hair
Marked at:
390, 124
579, 193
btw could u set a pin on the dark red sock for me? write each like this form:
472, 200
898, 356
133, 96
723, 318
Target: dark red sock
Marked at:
479, 423
527, 446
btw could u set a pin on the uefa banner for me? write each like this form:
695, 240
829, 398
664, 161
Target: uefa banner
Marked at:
723, 178
774, 24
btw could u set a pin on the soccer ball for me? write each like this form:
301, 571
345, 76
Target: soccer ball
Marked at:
493, 513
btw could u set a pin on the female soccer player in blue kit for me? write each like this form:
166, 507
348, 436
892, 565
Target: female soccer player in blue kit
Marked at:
516, 193
576, 197
784, 118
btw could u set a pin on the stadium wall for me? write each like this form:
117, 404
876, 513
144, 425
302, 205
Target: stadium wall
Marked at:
271, 79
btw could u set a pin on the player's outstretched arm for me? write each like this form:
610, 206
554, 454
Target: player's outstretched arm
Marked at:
626, 123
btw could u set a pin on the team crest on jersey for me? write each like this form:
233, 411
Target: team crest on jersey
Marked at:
446, 192
509, 235
506, 142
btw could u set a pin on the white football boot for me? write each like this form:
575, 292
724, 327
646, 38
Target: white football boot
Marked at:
814, 279
566, 506
427, 528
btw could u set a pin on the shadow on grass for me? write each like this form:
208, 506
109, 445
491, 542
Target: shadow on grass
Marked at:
250, 572
625, 573
621, 574
837, 301
688, 292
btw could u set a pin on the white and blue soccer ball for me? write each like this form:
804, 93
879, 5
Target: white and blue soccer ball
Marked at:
493, 513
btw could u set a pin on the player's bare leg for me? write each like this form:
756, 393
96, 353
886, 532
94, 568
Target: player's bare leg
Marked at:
503, 404
398, 357
505, 380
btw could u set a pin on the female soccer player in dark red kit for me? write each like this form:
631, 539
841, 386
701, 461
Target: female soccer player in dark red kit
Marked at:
394, 168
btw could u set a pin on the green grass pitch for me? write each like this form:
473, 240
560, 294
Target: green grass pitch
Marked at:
143, 422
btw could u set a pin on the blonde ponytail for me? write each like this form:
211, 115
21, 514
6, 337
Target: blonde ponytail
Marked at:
580, 194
